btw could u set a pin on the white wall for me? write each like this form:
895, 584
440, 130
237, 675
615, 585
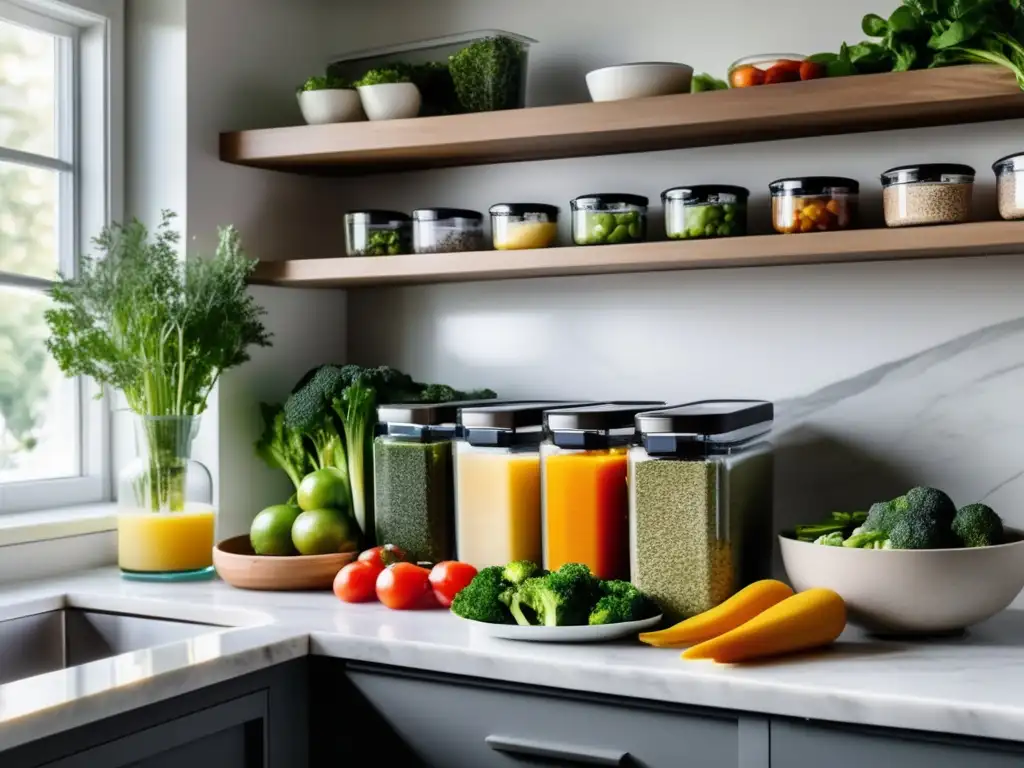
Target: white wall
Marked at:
886, 374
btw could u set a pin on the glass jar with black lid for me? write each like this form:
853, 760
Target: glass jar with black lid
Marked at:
932, 193
700, 504
377, 233
609, 218
518, 226
1009, 173
497, 482
585, 504
814, 204
447, 230
705, 210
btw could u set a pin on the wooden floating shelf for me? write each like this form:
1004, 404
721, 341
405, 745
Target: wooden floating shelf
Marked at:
979, 239
821, 107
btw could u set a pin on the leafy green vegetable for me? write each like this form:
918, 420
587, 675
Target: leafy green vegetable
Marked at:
705, 82
834, 539
977, 525
486, 598
488, 74
324, 83
839, 522
383, 77
436, 86
282, 447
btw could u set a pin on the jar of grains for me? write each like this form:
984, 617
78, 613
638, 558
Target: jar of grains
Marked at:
700, 504
414, 493
935, 193
1010, 185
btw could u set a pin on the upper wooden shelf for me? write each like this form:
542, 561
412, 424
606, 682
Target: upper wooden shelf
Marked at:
979, 239
844, 105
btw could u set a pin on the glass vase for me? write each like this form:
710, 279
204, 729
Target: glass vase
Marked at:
166, 518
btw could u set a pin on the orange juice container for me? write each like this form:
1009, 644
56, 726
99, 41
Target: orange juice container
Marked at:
585, 501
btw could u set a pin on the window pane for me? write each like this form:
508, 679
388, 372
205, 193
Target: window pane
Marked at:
28, 220
39, 433
28, 89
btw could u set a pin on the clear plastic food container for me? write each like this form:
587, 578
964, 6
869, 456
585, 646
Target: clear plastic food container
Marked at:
585, 509
700, 502
377, 233
497, 483
766, 69
814, 204
1010, 185
609, 219
446, 230
517, 226
706, 210
935, 193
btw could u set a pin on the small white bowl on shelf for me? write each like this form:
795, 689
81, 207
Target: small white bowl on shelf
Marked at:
331, 105
390, 101
640, 80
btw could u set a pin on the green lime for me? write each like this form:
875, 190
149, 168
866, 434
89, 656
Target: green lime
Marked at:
324, 488
324, 531
271, 531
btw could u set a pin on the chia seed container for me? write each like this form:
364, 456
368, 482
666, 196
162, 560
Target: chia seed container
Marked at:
700, 505
377, 233
447, 230
1010, 186
707, 210
414, 493
936, 193
609, 218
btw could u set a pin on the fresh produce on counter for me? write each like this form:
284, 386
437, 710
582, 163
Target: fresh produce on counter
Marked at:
449, 578
923, 34
327, 423
923, 518
404, 587
382, 573
523, 593
749, 602
807, 620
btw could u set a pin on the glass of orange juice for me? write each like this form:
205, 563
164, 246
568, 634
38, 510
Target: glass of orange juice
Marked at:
166, 518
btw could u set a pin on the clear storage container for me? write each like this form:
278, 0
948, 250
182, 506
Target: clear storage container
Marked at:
705, 210
377, 233
447, 230
497, 483
765, 69
935, 193
814, 204
516, 226
451, 81
585, 504
413, 478
609, 219
700, 504
1010, 186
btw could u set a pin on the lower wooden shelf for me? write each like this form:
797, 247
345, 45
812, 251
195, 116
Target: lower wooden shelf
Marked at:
976, 239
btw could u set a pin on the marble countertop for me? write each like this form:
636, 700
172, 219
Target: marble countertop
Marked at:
971, 685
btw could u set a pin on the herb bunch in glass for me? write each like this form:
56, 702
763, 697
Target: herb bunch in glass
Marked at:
160, 328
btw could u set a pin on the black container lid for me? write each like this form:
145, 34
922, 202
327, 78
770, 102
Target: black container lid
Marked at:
519, 209
939, 172
704, 193
436, 214
1014, 162
705, 417
376, 217
598, 418
601, 199
513, 416
427, 414
813, 185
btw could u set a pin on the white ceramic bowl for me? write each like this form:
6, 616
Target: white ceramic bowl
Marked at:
331, 105
926, 591
390, 101
635, 81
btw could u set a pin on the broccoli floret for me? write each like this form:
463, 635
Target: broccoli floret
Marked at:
442, 393
916, 530
554, 600
977, 525
884, 514
281, 447
308, 412
482, 599
519, 571
834, 539
924, 517
621, 601
862, 539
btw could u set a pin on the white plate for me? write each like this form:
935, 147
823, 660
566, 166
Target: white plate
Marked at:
581, 634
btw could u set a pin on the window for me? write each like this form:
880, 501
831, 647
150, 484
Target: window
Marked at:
58, 167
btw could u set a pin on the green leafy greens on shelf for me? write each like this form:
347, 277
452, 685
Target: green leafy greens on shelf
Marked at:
487, 74
386, 76
923, 34
325, 83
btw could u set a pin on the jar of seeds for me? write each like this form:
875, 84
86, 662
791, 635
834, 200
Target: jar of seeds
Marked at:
447, 230
1010, 185
700, 502
934, 193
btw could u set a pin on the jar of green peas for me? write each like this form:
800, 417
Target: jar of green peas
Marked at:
705, 210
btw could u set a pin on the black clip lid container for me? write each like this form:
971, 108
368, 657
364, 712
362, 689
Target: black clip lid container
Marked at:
427, 421
706, 426
594, 426
510, 424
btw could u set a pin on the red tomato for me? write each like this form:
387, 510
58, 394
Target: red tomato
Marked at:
449, 578
744, 77
792, 65
381, 557
403, 586
782, 74
811, 70
356, 582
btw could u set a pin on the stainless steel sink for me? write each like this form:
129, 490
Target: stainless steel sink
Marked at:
44, 642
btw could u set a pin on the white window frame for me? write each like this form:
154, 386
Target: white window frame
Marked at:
91, 135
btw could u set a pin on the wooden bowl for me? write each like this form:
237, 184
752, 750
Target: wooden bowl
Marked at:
240, 567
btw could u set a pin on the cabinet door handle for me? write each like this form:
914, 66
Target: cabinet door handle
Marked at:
560, 752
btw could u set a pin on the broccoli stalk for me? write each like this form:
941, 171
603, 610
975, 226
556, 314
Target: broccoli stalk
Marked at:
357, 410
281, 447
